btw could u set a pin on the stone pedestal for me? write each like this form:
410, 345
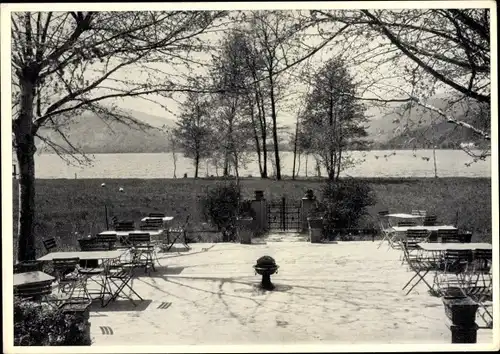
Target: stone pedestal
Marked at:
245, 230
315, 226
462, 314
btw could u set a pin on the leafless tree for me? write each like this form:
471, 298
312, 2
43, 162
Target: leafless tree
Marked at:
64, 63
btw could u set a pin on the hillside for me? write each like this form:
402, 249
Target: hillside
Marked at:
93, 135
426, 129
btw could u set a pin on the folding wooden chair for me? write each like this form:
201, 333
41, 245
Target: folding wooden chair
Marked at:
452, 273
413, 238
151, 224
177, 233
49, 244
143, 251
430, 220
385, 228
418, 212
448, 236
478, 284
407, 223
421, 266
156, 215
120, 276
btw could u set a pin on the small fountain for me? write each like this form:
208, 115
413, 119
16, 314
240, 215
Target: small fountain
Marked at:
266, 266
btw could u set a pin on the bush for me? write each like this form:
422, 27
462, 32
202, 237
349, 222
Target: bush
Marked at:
346, 201
42, 325
220, 208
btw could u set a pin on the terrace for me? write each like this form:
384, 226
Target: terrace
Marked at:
343, 293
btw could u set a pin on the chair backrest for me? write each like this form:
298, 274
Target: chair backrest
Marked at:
125, 226
49, 244
139, 238
419, 212
458, 255
93, 244
63, 266
151, 224
383, 213
107, 238
114, 220
407, 223
415, 236
430, 220
482, 259
449, 236
156, 215
33, 290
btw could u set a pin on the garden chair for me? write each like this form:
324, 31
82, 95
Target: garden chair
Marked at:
49, 244
413, 238
124, 226
179, 232
69, 280
419, 212
419, 265
452, 273
449, 236
120, 276
151, 224
407, 223
430, 220
385, 228
156, 215
478, 283
143, 251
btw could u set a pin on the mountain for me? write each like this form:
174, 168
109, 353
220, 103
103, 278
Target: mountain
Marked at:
427, 129
91, 134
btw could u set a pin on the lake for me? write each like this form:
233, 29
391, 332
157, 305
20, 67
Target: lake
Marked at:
399, 163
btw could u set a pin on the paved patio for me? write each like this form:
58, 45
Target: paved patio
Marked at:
343, 293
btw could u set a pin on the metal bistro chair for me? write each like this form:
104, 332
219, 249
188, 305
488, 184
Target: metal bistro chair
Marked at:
67, 277
385, 228
49, 244
156, 215
449, 236
452, 272
151, 224
419, 265
413, 238
478, 283
430, 220
143, 251
419, 212
177, 233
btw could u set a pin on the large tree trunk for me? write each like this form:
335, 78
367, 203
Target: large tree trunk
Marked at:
196, 164
25, 151
275, 129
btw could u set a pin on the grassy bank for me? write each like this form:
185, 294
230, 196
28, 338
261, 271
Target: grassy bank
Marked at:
66, 206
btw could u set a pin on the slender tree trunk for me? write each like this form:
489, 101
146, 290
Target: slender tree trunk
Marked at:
25, 151
307, 159
275, 129
298, 164
295, 146
263, 130
256, 137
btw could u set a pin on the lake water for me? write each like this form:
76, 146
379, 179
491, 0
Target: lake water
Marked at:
405, 163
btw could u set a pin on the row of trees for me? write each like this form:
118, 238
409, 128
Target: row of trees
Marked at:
65, 63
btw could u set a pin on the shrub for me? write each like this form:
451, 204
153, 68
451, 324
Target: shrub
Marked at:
346, 201
42, 325
220, 208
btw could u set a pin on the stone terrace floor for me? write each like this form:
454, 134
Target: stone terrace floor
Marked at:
336, 293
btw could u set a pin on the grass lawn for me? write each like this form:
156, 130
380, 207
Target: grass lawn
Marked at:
66, 206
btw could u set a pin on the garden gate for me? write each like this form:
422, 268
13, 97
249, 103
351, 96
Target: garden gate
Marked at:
284, 215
